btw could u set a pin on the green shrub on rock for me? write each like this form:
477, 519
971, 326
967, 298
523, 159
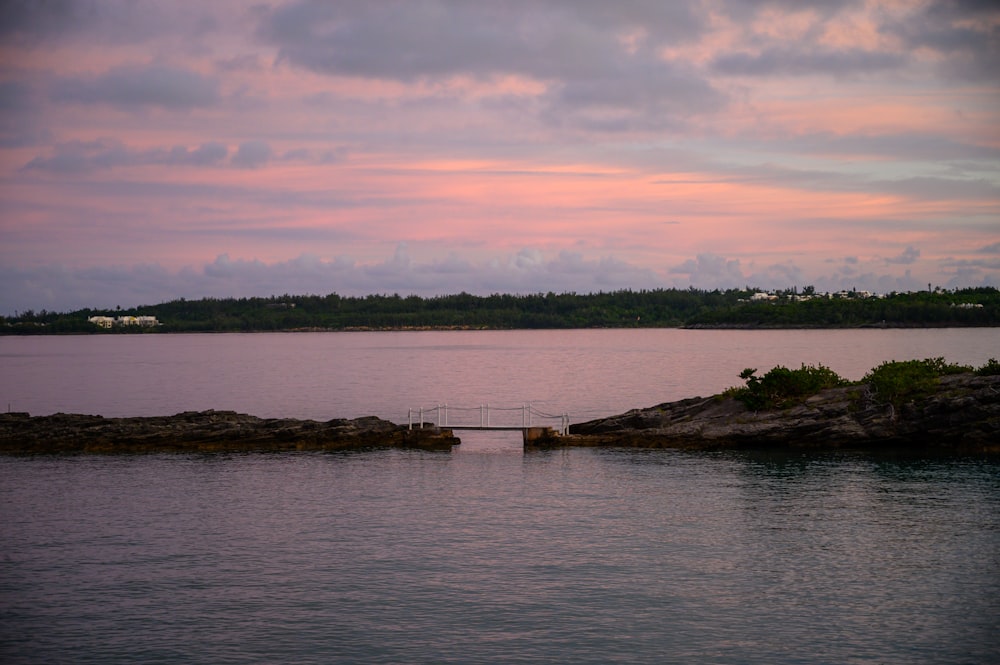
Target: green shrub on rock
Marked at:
781, 387
896, 382
991, 368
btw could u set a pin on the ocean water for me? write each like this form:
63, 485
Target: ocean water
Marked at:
484, 554
491, 556
585, 373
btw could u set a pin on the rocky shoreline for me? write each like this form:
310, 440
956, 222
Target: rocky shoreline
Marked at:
203, 432
961, 416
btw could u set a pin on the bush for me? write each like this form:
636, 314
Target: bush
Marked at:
896, 382
893, 382
782, 387
991, 368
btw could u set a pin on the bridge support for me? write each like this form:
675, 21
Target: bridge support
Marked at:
534, 436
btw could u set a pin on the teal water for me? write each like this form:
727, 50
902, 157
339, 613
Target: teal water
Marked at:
485, 555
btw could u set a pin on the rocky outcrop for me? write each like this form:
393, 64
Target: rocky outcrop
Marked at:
962, 415
205, 431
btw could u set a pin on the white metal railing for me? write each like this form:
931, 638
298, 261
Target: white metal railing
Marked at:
507, 417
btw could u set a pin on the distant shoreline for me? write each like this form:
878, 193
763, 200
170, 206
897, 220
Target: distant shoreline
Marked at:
356, 329
658, 308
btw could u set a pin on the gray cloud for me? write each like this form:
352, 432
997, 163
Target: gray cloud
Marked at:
595, 79
805, 61
965, 35
848, 269
711, 270
33, 20
204, 155
952, 25
964, 182
440, 38
171, 88
650, 96
296, 154
978, 264
906, 257
110, 153
596, 66
240, 63
57, 288
911, 145
785, 273
252, 154
966, 32
20, 124
870, 281
14, 96
107, 153
941, 189
529, 270
80, 156
34, 23
745, 10
965, 277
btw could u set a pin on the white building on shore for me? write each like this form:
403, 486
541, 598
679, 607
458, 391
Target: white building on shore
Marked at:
109, 322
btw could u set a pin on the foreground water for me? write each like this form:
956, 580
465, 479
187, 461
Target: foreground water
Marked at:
484, 554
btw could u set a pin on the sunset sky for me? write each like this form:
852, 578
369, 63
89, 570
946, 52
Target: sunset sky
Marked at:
157, 150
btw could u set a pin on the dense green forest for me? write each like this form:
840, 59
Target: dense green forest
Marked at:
619, 309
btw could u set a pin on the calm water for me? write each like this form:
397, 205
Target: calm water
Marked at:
483, 554
587, 373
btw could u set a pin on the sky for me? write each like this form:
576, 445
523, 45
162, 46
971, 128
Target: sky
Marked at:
151, 151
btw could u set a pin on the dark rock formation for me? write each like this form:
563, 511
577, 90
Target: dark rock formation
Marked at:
962, 415
205, 431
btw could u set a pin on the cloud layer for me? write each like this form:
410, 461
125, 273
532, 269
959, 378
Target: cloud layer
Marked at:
434, 146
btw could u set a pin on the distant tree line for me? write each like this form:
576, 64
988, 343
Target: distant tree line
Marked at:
618, 309
962, 307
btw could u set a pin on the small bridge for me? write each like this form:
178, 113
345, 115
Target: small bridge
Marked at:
532, 423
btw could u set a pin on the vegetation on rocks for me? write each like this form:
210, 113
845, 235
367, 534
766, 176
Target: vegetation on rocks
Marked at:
893, 382
782, 387
896, 382
920, 406
991, 368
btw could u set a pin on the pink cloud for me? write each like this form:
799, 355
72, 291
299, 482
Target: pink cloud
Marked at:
736, 140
